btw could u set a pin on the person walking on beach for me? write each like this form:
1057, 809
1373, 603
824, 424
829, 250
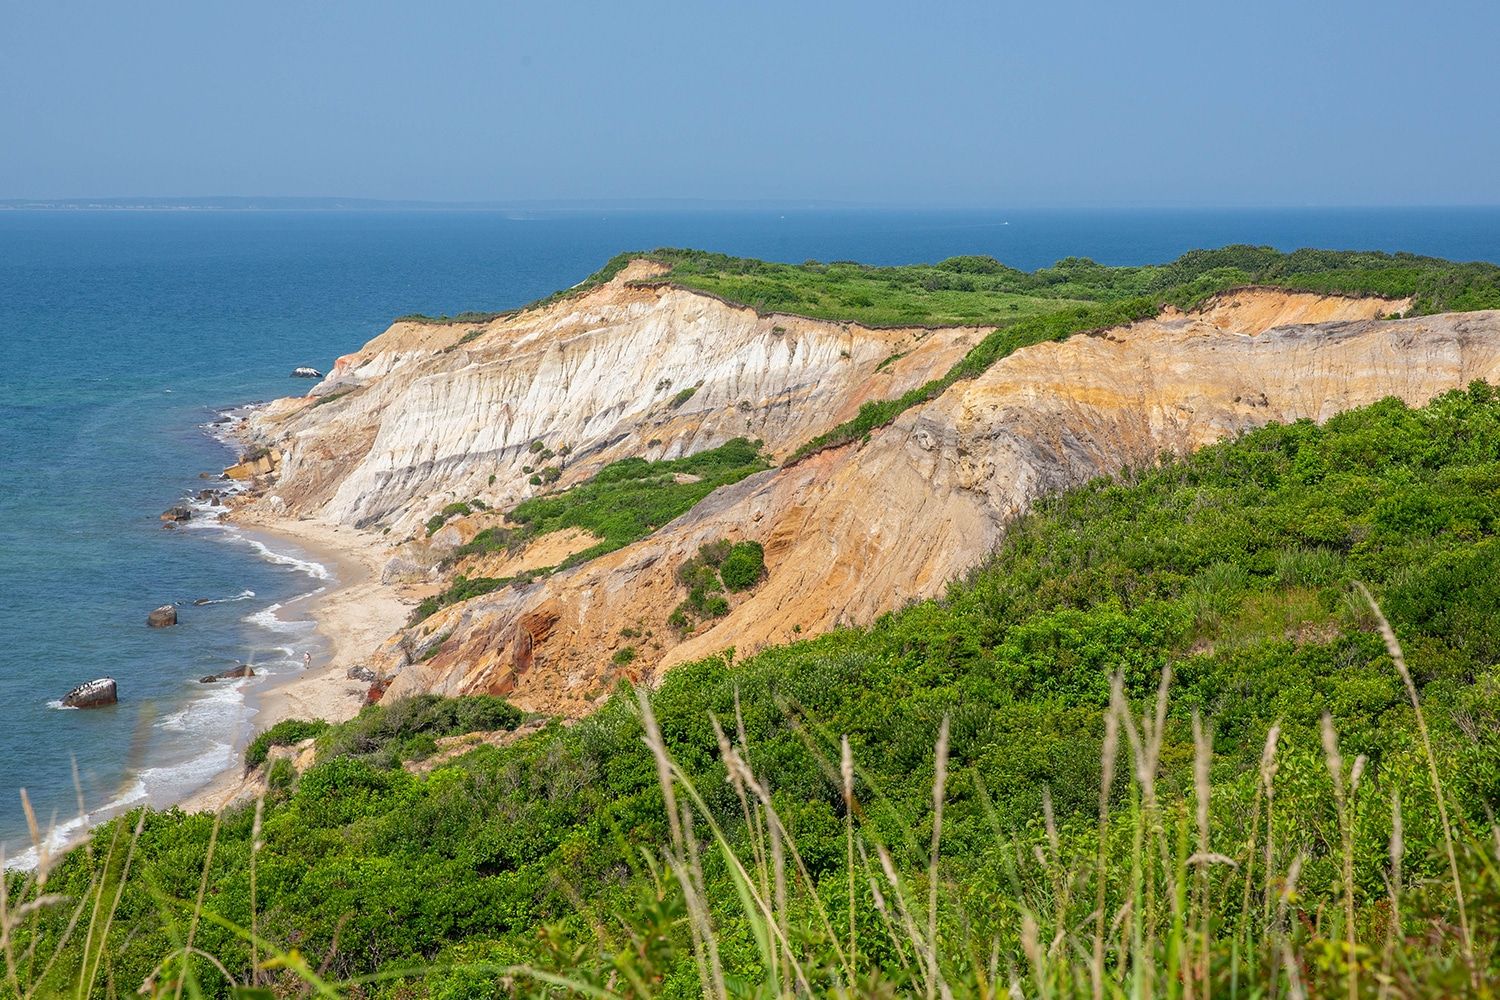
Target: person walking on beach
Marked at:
306, 660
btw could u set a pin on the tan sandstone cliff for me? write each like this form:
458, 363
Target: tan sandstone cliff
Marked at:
850, 532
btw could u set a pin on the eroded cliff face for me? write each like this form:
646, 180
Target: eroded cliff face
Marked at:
428, 413
852, 532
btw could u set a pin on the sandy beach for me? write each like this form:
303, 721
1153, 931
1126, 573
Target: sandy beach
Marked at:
354, 616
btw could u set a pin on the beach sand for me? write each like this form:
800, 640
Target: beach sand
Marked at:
354, 616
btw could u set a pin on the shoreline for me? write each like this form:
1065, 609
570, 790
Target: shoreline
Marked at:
352, 617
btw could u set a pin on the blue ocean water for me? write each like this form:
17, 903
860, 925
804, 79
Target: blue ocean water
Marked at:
122, 334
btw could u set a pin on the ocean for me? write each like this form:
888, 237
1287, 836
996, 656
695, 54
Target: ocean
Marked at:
123, 335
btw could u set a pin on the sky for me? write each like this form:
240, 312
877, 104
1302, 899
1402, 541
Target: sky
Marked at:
1056, 103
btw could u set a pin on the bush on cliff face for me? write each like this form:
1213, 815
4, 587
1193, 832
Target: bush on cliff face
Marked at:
718, 564
743, 566
629, 499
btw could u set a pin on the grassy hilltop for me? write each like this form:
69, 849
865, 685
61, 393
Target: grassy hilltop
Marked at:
1160, 743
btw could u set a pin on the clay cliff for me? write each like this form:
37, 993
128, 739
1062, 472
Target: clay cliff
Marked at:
429, 413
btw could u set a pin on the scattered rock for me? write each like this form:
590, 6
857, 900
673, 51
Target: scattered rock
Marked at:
243, 670
94, 694
359, 673
305, 372
162, 617
177, 514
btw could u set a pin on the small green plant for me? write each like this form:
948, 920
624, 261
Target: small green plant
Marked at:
331, 397
538, 445
683, 396
624, 656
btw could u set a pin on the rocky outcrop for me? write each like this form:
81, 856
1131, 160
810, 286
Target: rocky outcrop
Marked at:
254, 465
163, 617
94, 694
233, 673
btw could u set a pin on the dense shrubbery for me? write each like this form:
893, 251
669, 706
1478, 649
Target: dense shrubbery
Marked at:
384, 735
287, 732
981, 291
1232, 567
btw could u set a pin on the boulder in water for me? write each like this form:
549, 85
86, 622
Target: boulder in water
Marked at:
177, 514
306, 372
162, 617
233, 673
94, 694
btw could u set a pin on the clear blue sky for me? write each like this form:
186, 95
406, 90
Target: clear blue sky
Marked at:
1006, 104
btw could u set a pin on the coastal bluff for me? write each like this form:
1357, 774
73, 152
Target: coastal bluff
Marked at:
435, 416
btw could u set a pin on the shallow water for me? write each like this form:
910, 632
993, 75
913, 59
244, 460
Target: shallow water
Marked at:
121, 334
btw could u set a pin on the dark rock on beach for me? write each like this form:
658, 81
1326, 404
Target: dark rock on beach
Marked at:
162, 617
233, 673
94, 694
177, 514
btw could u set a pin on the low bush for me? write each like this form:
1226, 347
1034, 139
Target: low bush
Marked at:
743, 566
287, 732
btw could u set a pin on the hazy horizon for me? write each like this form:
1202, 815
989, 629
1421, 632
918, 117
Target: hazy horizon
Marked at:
875, 105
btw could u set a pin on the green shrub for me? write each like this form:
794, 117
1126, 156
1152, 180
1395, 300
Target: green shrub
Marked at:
281, 776
683, 396
287, 732
743, 566
462, 588
388, 733
624, 656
